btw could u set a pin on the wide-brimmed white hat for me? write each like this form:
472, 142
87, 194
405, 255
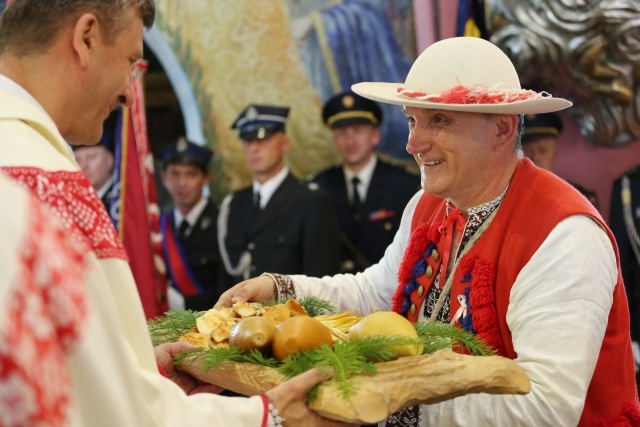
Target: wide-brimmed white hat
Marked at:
463, 74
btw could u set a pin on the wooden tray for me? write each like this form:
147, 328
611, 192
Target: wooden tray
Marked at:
398, 384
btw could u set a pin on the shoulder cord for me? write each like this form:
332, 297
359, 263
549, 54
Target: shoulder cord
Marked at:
632, 233
244, 264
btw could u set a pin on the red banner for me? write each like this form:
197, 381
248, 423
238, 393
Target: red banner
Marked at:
138, 219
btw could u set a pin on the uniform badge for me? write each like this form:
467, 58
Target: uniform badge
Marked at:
205, 223
252, 113
348, 101
182, 145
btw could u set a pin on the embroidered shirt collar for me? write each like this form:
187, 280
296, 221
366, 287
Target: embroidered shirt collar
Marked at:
477, 215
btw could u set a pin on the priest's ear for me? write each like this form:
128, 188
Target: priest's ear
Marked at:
85, 37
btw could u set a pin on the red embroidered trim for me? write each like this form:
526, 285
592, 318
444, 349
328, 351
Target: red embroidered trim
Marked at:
482, 301
420, 238
44, 320
265, 404
629, 417
70, 195
475, 95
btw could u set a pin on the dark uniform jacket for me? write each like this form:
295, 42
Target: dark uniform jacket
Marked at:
295, 233
201, 250
592, 196
390, 190
628, 262
106, 198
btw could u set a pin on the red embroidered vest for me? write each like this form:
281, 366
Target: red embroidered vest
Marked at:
510, 242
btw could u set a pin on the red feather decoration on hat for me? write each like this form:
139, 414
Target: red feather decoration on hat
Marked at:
475, 95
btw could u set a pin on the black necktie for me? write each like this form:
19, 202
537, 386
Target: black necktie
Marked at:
356, 203
182, 231
256, 201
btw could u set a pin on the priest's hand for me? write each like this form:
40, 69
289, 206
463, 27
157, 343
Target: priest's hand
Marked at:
290, 400
256, 289
165, 353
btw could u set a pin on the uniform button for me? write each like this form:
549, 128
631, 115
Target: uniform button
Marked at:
420, 291
253, 268
251, 246
435, 255
413, 309
203, 261
429, 272
388, 226
281, 239
348, 266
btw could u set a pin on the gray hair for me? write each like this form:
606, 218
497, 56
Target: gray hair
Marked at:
30, 26
517, 139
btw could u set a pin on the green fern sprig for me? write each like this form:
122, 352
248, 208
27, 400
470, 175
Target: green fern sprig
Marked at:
255, 356
172, 325
211, 357
316, 306
343, 359
347, 359
437, 336
381, 348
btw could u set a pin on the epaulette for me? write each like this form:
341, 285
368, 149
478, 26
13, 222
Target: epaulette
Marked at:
412, 168
409, 166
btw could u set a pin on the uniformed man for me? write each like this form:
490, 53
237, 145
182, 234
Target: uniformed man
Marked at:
539, 140
277, 224
97, 161
189, 229
369, 194
625, 225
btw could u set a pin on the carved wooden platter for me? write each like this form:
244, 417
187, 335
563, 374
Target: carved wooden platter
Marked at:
407, 381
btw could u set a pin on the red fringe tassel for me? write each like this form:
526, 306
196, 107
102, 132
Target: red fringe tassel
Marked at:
420, 238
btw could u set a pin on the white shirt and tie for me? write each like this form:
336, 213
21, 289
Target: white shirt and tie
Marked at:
364, 177
191, 218
263, 192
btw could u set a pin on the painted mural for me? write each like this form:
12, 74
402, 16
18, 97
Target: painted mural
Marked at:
294, 53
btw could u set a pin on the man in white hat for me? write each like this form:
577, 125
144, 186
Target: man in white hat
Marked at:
534, 260
75, 349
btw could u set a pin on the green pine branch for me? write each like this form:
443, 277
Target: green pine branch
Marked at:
172, 325
211, 357
437, 336
347, 359
316, 306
